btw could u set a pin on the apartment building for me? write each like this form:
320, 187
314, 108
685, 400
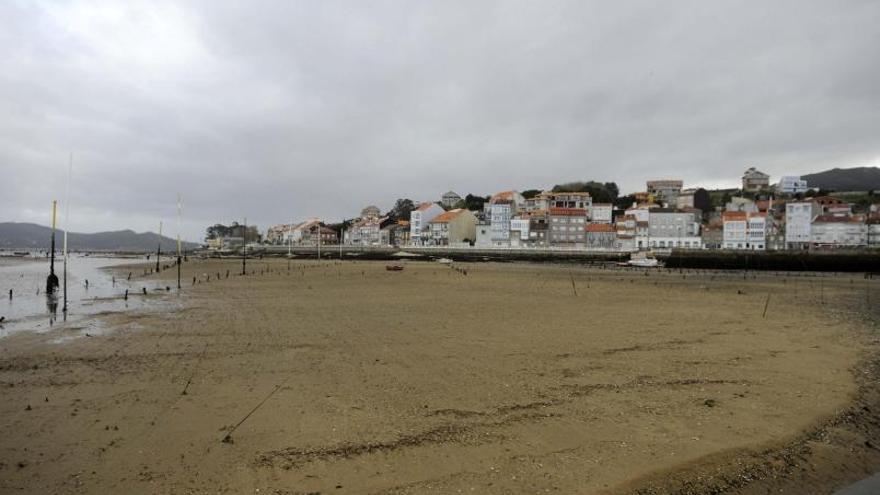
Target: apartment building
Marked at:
799, 217
567, 226
671, 228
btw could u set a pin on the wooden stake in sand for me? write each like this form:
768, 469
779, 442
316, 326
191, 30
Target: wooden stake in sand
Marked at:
228, 437
195, 369
573, 286
766, 304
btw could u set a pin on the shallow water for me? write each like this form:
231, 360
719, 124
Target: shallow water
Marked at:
869, 486
29, 308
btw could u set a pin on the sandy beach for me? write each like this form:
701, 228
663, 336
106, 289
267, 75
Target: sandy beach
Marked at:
480, 378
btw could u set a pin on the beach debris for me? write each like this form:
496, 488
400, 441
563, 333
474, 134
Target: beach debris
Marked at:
145, 290
126, 295
394, 268
2, 319
710, 403
10, 294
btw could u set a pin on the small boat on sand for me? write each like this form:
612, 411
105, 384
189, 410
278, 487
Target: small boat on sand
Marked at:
394, 268
643, 260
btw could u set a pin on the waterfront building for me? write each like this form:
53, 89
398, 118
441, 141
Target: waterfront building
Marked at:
799, 217
419, 221
454, 227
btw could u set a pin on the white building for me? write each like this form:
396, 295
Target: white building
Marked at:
873, 230
799, 217
450, 199
791, 184
642, 212
500, 210
601, 212
839, 231
500, 215
741, 204
519, 231
745, 230
669, 228
419, 221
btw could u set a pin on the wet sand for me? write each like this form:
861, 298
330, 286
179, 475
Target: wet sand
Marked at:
506, 379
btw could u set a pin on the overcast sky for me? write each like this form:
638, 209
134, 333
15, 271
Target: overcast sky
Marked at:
284, 110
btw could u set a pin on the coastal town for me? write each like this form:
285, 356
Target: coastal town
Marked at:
591, 217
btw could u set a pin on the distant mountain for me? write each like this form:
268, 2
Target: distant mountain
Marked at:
32, 236
846, 179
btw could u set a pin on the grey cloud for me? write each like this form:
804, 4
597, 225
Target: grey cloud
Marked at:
274, 110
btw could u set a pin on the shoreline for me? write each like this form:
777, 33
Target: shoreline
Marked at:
678, 479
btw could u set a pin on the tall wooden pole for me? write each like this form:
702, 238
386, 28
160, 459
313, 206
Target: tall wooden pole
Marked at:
66, 229
52, 279
179, 208
244, 249
159, 248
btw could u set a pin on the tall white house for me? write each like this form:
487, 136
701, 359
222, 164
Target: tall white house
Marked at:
419, 221
601, 212
799, 217
500, 215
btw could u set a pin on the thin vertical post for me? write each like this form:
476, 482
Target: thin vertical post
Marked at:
159, 248
179, 208
244, 249
66, 229
52, 279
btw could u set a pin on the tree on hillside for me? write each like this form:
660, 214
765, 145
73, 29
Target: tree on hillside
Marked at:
340, 226
401, 210
601, 193
624, 202
531, 193
472, 203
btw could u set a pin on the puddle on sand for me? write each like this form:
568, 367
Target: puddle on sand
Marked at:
92, 291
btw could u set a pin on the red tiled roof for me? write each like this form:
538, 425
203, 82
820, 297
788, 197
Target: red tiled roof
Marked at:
600, 227
838, 219
733, 216
568, 212
503, 196
424, 206
448, 216
827, 200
